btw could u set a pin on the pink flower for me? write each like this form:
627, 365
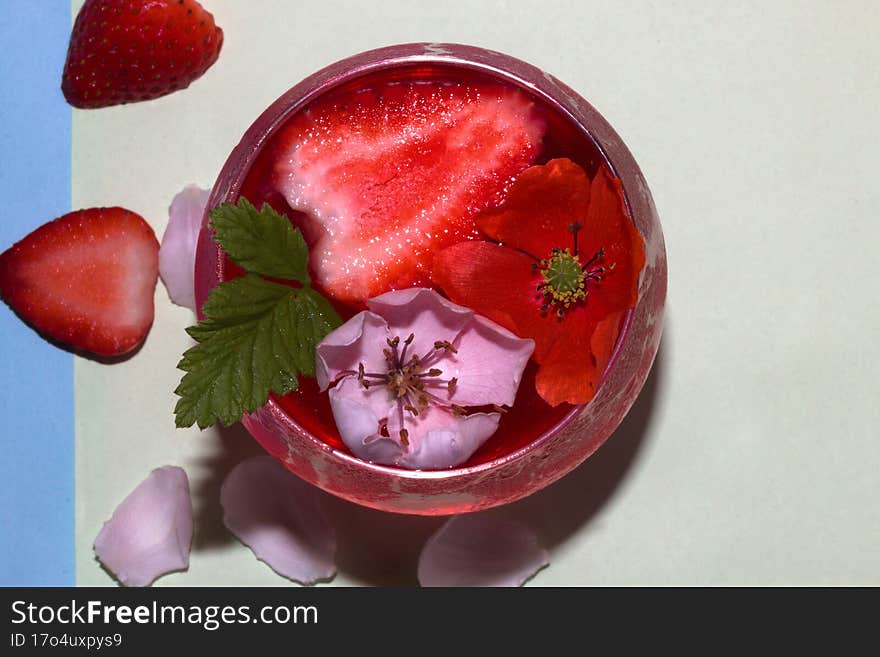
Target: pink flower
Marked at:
419, 381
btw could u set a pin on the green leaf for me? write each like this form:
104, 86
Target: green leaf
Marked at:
261, 241
258, 336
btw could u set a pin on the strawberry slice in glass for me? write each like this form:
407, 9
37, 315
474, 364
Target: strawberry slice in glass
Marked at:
391, 173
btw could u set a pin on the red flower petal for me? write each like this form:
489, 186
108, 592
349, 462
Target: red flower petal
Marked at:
541, 205
500, 284
573, 369
603, 340
567, 373
608, 226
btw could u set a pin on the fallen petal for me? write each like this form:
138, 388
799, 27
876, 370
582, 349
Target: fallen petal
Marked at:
178, 251
150, 532
481, 549
277, 515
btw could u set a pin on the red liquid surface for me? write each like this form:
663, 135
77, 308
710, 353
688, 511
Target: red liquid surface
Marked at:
530, 416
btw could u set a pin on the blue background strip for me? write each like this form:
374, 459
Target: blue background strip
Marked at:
36, 378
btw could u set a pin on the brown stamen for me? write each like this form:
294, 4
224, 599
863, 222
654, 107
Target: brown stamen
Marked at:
443, 344
406, 344
575, 229
408, 381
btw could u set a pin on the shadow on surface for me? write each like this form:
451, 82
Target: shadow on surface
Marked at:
376, 548
232, 445
569, 504
82, 353
382, 549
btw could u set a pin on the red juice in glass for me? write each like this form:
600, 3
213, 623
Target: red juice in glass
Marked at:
535, 443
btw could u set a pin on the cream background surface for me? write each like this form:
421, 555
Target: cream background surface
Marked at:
752, 456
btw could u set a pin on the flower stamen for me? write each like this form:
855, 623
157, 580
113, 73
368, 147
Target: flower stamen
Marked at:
406, 344
408, 381
598, 254
575, 229
564, 278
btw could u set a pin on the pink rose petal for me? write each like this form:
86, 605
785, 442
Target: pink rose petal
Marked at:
451, 443
481, 549
438, 439
178, 251
359, 414
422, 312
344, 348
489, 364
277, 515
150, 532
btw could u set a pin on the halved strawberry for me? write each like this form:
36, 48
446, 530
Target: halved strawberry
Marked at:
391, 173
85, 279
123, 51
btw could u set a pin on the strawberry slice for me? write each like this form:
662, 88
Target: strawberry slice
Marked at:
85, 279
391, 173
124, 51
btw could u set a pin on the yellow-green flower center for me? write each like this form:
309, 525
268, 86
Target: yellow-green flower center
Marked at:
564, 280
564, 277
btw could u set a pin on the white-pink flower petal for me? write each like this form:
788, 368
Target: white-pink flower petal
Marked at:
449, 444
177, 253
278, 516
489, 364
350, 344
359, 413
422, 312
150, 532
481, 549
437, 438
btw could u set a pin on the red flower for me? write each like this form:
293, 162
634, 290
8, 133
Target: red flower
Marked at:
564, 271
